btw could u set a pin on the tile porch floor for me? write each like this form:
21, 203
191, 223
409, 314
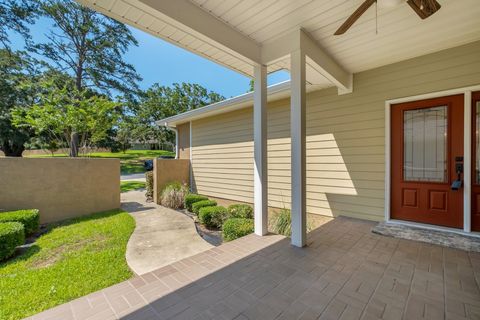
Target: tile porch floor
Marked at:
346, 272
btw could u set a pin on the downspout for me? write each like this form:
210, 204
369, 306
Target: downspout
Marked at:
174, 129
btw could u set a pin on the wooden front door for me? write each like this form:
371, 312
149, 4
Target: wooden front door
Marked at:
426, 152
475, 161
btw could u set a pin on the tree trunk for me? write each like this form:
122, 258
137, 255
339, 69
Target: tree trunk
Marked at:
74, 144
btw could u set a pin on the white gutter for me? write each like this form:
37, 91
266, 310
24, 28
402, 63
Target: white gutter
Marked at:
274, 92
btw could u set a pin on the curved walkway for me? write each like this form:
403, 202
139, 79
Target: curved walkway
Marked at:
162, 236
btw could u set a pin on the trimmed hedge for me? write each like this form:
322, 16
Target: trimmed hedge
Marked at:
12, 235
213, 217
204, 203
240, 211
29, 218
235, 228
191, 198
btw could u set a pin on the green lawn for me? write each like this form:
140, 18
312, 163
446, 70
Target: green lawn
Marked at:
131, 185
130, 162
74, 258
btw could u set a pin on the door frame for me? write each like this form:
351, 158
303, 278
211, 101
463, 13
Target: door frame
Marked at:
467, 157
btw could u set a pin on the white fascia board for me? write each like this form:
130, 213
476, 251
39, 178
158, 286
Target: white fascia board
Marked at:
187, 15
144, 8
274, 92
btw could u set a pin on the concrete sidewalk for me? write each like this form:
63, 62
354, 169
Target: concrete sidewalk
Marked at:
133, 177
162, 236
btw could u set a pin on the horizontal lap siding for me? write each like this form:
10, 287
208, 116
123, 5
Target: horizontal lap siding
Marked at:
345, 138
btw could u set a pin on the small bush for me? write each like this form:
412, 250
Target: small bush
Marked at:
235, 228
191, 198
282, 223
204, 203
173, 195
212, 217
12, 235
240, 211
29, 218
149, 185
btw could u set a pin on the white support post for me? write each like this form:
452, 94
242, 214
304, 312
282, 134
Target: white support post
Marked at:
260, 176
298, 146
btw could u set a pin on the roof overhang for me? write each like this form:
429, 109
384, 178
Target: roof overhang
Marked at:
275, 92
185, 24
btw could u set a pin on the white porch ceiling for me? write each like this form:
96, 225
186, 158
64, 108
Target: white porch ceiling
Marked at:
401, 33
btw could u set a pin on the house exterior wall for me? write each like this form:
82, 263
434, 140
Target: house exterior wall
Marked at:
183, 132
345, 138
61, 188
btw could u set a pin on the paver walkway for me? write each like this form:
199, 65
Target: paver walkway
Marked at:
346, 272
161, 237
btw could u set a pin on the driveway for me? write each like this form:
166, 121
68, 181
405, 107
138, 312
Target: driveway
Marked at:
162, 236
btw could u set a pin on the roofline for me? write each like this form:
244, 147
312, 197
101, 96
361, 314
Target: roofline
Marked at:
274, 92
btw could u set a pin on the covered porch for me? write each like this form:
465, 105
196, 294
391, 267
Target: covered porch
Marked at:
346, 272
257, 38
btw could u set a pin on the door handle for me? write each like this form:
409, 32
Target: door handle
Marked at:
458, 183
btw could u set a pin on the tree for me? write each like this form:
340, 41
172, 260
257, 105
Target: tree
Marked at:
60, 112
159, 102
90, 47
17, 76
15, 15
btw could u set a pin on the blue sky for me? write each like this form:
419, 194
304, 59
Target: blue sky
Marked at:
159, 61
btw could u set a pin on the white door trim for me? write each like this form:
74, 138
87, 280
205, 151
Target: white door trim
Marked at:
467, 157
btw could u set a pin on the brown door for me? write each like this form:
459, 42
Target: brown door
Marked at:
426, 152
476, 161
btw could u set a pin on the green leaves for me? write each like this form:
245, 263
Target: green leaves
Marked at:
63, 111
15, 15
89, 46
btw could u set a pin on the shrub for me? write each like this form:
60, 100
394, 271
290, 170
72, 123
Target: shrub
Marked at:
212, 217
29, 218
204, 203
173, 195
149, 185
282, 223
12, 235
240, 211
191, 198
234, 228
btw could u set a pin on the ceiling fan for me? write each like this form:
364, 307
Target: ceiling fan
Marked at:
424, 9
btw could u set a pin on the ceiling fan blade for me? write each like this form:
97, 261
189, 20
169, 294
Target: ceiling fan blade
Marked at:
424, 8
354, 16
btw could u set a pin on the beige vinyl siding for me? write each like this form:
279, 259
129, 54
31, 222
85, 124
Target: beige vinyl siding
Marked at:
345, 138
183, 132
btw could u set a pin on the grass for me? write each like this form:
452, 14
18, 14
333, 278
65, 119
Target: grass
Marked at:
130, 162
126, 186
74, 258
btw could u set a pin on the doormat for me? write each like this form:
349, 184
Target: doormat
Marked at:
441, 238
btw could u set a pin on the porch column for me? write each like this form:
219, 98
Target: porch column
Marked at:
260, 149
298, 146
